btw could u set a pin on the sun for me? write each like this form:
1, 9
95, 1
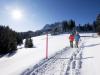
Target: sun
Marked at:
16, 14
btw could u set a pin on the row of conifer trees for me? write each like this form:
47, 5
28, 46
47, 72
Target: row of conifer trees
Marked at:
9, 40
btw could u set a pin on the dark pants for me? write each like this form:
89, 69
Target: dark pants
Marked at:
71, 44
76, 44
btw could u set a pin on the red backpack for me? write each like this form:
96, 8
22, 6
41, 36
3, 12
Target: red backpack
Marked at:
71, 37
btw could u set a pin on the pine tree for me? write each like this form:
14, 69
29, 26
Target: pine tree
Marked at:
65, 26
71, 25
28, 43
98, 24
19, 38
8, 42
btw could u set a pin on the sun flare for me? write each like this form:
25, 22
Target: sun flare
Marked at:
16, 14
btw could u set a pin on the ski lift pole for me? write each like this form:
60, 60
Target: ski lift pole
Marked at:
47, 46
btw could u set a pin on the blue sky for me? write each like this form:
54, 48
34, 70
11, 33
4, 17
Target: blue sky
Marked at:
37, 13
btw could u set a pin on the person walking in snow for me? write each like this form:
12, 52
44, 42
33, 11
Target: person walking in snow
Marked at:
77, 38
71, 39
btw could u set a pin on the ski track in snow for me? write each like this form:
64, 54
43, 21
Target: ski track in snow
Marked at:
66, 62
69, 61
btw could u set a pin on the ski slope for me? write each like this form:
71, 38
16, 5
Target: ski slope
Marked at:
28, 57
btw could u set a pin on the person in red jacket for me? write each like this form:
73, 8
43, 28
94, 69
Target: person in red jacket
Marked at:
71, 39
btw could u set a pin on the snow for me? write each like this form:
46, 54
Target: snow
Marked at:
27, 57
86, 57
91, 65
56, 65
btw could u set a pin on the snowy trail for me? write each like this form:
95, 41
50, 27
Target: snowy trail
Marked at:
56, 65
65, 62
61, 63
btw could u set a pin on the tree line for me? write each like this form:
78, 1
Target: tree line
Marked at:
65, 26
10, 39
68, 26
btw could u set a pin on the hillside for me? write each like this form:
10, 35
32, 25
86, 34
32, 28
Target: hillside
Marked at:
27, 58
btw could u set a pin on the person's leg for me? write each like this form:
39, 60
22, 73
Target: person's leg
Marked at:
76, 44
71, 44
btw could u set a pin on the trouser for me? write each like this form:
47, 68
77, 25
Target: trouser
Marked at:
76, 44
71, 44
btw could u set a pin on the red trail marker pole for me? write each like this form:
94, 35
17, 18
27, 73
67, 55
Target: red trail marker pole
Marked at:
47, 46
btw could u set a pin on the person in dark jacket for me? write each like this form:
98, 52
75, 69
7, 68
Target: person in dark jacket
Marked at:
71, 39
77, 38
